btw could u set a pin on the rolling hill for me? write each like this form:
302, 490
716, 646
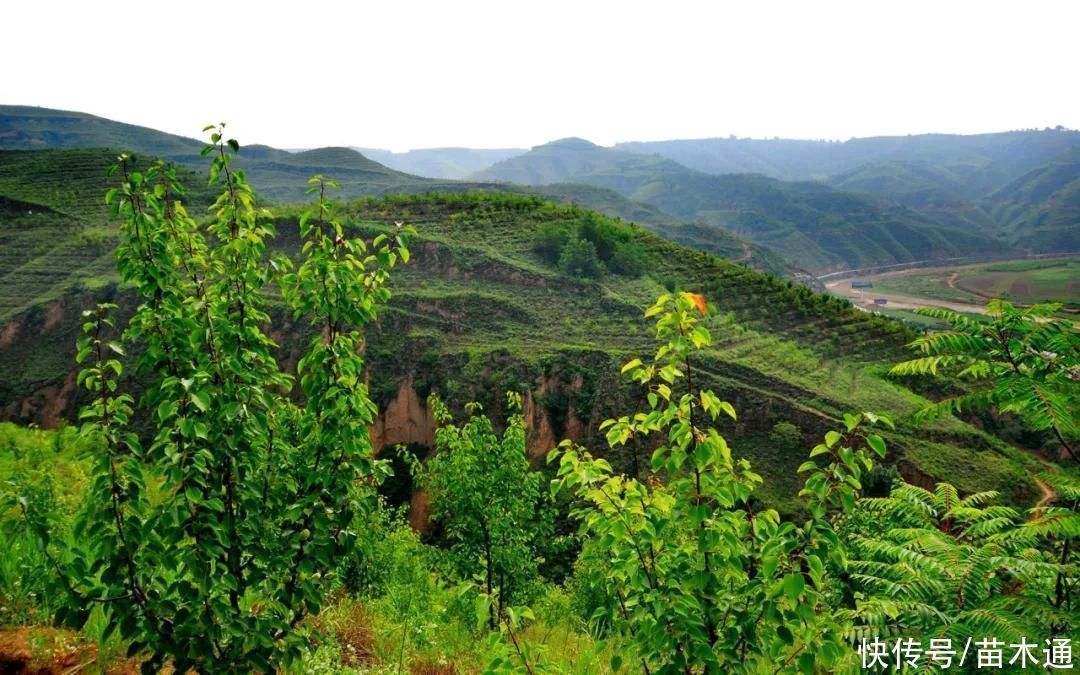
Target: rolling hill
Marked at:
979, 163
1013, 186
925, 188
479, 311
1041, 209
281, 176
816, 226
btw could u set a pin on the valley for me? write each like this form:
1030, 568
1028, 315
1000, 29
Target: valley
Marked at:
966, 288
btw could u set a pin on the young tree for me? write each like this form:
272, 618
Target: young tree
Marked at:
937, 564
205, 537
484, 492
1023, 361
699, 579
1027, 362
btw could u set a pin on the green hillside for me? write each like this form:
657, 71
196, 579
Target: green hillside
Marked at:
30, 127
480, 310
1017, 186
54, 226
816, 226
932, 191
280, 175
1041, 209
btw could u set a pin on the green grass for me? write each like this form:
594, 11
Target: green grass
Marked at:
45, 469
913, 318
1025, 283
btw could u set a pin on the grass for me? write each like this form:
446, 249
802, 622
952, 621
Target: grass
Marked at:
414, 620
44, 468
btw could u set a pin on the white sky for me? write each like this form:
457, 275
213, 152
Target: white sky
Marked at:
408, 74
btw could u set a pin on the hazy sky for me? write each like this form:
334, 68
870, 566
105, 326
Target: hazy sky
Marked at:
405, 74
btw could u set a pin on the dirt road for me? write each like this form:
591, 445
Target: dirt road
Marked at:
865, 298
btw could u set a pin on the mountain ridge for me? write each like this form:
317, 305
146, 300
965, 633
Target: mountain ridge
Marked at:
280, 175
819, 227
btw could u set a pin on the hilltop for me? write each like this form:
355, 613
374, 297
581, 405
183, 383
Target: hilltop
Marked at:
817, 226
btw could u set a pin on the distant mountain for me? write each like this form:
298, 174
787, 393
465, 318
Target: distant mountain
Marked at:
451, 163
1041, 209
29, 128
932, 191
980, 163
280, 175
816, 226
1038, 211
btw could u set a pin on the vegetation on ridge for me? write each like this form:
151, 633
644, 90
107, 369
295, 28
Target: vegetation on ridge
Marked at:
818, 227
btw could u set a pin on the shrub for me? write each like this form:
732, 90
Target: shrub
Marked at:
699, 579
578, 258
549, 242
786, 436
628, 259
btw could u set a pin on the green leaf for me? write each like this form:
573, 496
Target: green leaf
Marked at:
199, 401
877, 444
794, 585
784, 633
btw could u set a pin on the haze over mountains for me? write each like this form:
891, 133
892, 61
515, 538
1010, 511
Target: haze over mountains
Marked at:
823, 206
452, 163
881, 212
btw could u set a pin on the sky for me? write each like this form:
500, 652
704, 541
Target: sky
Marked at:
402, 74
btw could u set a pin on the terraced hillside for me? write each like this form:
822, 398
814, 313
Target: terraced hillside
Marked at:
479, 310
54, 227
818, 227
